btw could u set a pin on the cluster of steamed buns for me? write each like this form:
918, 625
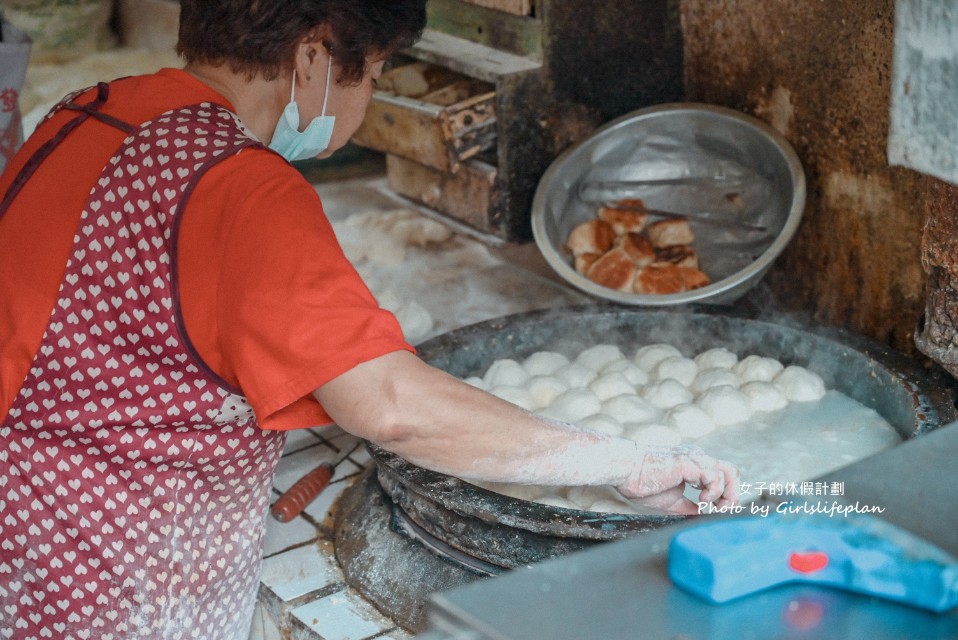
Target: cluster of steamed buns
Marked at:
657, 396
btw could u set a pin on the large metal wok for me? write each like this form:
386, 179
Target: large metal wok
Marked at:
507, 532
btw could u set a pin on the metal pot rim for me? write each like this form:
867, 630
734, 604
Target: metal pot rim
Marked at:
929, 407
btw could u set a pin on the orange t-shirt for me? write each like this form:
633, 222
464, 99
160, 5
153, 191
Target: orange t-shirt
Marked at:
268, 299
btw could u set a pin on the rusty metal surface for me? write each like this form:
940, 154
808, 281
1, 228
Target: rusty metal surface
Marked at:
509, 532
820, 73
937, 332
394, 573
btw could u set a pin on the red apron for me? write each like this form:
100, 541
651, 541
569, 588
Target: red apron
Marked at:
134, 482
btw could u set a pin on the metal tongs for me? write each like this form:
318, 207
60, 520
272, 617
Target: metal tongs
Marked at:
611, 193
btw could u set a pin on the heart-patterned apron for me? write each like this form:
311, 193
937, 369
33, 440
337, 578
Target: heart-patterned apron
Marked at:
134, 482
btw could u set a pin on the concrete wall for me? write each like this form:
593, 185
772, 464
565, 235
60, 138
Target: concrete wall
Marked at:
820, 72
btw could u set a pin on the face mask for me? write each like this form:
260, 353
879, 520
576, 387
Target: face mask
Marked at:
293, 144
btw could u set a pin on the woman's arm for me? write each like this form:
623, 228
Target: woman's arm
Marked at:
439, 422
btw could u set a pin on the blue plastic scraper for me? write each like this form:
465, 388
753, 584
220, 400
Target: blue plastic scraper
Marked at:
728, 559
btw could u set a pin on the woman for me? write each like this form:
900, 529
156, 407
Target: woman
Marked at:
172, 299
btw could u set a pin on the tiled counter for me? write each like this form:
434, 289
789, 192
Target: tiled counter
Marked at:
303, 591
303, 595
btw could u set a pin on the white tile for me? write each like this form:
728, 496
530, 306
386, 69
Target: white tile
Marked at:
300, 571
299, 439
342, 616
329, 432
341, 436
345, 469
319, 508
283, 535
264, 627
361, 456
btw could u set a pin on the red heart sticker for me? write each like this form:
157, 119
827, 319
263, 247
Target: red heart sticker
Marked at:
807, 561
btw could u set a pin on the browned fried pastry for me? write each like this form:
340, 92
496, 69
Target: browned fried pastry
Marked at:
584, 261
658, 279
638, 247
615, 270
631, 203
670, 231
681, 255
594, 236
694, 278
627, 216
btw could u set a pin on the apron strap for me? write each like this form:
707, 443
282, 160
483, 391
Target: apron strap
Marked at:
84, 111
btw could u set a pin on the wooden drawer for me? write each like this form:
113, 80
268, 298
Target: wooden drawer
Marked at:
431, 115
469, 195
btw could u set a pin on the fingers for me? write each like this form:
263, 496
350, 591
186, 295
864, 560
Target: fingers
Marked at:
664, 472
670, 501
730, 496
719, 481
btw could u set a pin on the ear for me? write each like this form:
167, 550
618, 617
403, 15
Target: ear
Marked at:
311, 54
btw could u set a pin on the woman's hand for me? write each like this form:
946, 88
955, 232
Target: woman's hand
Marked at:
438, 422
658, 480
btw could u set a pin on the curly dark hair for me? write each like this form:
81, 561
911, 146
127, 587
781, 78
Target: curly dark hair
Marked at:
260, 36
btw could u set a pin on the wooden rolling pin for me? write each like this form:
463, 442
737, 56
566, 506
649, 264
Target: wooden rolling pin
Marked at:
306, 489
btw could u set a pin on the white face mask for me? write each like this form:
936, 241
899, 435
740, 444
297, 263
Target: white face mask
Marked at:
293, 144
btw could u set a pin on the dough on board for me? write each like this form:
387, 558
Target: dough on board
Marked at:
576, 375
764, 396
414, 320
691, 421
505, 371
676, 367
602, 424
657, 397
545, 389
666, 394
609, 385
713, 377
800, 385
381, 237
631, 371
544, 363
572, 405
649, 356
725, 405
629, 408
716, 357
599, 356
653, 434
757, 368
